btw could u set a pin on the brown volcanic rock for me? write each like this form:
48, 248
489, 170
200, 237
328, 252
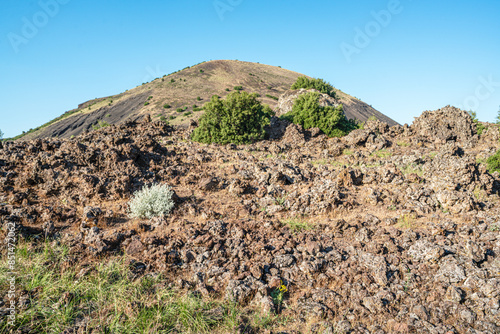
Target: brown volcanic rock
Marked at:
446, 124
405, 240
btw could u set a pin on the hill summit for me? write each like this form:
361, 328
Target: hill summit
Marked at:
179, 97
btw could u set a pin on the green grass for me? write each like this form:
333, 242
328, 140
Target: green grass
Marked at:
412, 169
382, 154
298, 225
99, 125
403, 144
406, 221
109, 298
347, 152
272, 97
432, 155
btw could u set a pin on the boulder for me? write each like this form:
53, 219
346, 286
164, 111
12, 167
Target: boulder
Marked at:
446, 124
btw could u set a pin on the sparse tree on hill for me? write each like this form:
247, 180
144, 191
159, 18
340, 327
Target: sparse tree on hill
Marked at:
1, 134
498, 115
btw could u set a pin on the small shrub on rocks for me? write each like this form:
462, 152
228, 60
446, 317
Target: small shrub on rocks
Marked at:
154, 201
318, 84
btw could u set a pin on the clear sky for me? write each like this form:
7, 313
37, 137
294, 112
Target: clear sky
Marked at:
402, 57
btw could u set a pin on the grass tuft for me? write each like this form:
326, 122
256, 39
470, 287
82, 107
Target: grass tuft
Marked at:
298, 225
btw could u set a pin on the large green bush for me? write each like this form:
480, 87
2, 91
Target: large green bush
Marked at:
318, 84
238, 119
308, 113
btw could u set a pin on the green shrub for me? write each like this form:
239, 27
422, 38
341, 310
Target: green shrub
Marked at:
172, 117
307, 112
179, 110
163, 119
198, 109
149, 202
238, 88
201, 71
146, 103
272, 97
187, 113
149, 98
198, 98
318, 84
227, 89
239, 119
167, 106
195, 106
99, 125
493, 162
172, 80
479, 127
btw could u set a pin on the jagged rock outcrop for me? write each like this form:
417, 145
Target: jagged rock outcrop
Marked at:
446, 124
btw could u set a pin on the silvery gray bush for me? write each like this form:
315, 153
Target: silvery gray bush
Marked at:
153, 201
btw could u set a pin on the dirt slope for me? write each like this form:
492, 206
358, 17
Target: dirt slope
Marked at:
182, 89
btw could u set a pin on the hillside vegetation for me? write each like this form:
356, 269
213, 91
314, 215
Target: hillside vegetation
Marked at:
179, 97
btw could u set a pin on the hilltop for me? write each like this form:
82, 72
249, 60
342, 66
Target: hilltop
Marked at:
184, 93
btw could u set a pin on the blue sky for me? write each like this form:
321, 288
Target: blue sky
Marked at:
402, 57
